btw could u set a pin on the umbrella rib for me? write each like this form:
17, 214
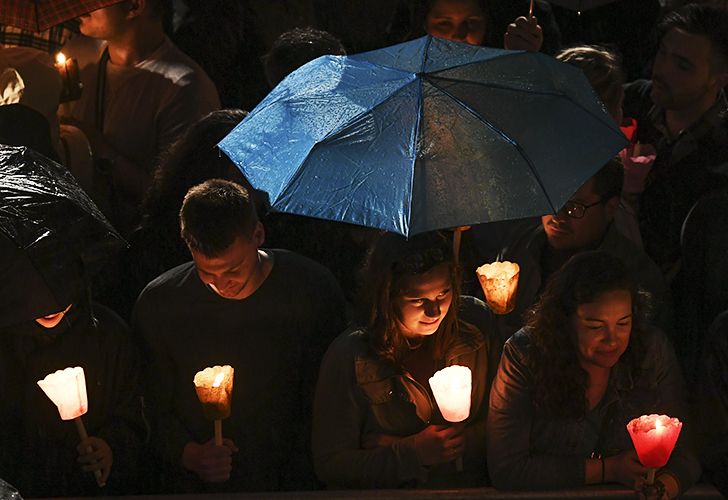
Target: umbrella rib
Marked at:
505, 136
416, 137
552, 93
333, 133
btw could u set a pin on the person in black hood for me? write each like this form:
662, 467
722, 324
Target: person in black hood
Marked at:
48, 323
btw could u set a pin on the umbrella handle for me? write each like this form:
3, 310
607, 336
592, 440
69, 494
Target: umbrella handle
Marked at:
456, 238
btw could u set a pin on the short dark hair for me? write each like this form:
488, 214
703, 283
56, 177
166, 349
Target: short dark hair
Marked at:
609, 179
214, 214
700, 19
296, 47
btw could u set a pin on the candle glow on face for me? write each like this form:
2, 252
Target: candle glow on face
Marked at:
452, 388
654, 437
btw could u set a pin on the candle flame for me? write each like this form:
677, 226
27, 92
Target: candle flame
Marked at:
218, 379
61, 58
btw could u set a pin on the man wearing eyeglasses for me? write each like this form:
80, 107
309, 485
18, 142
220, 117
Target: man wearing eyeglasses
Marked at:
585, 222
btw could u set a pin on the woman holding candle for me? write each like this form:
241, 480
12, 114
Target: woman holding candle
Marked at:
571, 380
376, 423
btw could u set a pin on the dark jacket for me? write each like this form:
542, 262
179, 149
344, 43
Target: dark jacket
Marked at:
358, 393
686, 168
274, 339
38, 452
529, 449
710, 403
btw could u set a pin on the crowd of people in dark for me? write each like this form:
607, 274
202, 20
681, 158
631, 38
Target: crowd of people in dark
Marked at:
335, 330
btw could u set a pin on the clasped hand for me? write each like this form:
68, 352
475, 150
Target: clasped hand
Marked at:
211, 463
435, 444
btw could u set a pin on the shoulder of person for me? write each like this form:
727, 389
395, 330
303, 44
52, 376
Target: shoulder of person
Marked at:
475, 313
298, 266
180, 68
348, 345
525, 234
518, 345
645, 269
108, 321
168, 281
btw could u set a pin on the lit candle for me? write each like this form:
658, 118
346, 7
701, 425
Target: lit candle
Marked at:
70, 77
654, 437
214, 387
452, 388
67, 389
62, 69
499, 281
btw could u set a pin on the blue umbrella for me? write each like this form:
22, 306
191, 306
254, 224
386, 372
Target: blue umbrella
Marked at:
424, 135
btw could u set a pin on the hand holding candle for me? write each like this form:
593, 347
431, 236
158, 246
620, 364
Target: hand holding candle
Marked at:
452, 388
67, 389
499, 281
654, 437
67, 67
214, 386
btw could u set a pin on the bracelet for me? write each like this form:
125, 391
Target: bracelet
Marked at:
601, 459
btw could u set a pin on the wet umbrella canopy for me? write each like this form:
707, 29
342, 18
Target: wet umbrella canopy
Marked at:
50, 234
425, 135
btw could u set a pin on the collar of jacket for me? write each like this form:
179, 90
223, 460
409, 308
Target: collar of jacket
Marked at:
689, 139
368, 369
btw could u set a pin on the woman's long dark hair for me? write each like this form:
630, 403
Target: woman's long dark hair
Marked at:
191, 160
391, 260
560, 383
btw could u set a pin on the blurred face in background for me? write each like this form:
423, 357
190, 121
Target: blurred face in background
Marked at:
582, 221
684, 75
106, 23
458, 20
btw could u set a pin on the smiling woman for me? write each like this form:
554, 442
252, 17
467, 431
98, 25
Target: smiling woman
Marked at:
376, 423
568, 383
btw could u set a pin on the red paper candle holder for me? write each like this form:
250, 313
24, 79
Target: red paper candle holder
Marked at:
654, 437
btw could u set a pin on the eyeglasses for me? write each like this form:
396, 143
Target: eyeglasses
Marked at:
576, 210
